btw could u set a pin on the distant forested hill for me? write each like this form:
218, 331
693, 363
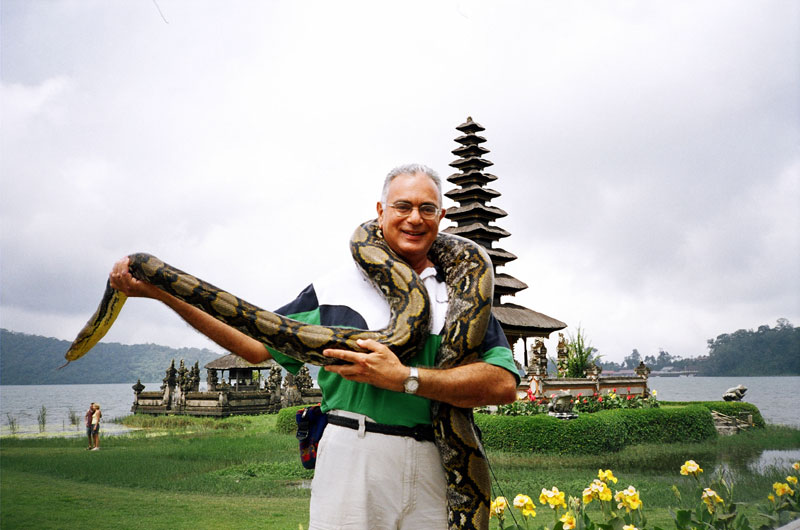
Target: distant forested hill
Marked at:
34, 360
746, 352
764, 351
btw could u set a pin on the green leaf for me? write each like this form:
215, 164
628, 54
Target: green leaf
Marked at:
682, 518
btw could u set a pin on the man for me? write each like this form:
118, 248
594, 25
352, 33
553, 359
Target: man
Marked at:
96, 415
88, 420
367, 479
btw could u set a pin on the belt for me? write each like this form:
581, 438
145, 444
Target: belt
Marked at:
421, 433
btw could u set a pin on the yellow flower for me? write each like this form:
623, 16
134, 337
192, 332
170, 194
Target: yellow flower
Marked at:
606, 475
629, 527
587, 496
525, 503
710, 497
654, 393
781, 488
628, 499
771, 497
498, 507
690, 467
569, 521
796, 466
605, 493
791, 479
552, 497
597, 490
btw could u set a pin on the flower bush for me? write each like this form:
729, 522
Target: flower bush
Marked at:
582, 404
624, 509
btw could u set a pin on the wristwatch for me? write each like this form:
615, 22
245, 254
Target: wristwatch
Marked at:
411, 384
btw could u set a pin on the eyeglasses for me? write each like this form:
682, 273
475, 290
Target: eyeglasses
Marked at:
426, 210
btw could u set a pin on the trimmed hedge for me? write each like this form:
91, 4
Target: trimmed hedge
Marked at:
729, 408
285, 423
600, 432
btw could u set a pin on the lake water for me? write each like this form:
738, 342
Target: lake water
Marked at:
776, 397
24, 402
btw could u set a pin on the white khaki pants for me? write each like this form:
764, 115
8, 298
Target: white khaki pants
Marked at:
366, 480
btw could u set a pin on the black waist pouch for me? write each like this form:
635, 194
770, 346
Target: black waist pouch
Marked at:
311, 422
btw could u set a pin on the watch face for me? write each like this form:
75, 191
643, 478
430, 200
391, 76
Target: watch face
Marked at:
411, 385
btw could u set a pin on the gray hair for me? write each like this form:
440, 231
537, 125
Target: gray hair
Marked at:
411, 169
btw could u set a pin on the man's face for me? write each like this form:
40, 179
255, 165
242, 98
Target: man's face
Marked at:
412, 236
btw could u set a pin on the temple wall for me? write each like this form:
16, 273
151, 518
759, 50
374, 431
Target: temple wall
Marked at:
623, 386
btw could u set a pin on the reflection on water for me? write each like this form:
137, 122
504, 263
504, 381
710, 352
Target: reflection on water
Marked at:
760, 463
782, 460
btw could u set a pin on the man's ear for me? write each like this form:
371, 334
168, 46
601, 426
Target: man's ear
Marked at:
379, 209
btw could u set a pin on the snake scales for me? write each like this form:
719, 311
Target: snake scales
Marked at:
470, 284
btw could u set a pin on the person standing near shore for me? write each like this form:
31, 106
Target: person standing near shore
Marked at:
96, 426
88, 421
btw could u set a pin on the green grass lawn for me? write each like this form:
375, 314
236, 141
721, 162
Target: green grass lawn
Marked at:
238, 473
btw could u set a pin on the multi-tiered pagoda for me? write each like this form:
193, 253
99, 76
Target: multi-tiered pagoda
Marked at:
474, 217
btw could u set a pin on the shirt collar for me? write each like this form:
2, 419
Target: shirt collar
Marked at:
432, 271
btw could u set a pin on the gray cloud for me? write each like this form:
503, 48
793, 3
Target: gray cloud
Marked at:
647, 153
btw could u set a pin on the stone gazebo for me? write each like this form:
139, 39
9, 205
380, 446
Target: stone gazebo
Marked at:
242, 375
474, 217
246, 391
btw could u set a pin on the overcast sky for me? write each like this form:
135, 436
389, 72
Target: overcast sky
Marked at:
647, 152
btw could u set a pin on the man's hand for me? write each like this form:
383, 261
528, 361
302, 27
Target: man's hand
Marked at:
470, 385
224, 335
380, 367
122, 280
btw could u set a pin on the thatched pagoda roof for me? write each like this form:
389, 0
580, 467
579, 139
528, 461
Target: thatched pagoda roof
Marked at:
226, 362
519, 320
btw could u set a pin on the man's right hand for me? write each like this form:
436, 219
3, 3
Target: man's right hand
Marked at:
224, 335
122, 280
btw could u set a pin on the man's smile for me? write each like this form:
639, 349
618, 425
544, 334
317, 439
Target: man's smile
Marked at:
414, 233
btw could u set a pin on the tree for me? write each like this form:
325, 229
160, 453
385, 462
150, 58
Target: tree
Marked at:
664, 358
633, 360
766, 351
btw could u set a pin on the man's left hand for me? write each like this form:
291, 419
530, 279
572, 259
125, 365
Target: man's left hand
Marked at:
379, 367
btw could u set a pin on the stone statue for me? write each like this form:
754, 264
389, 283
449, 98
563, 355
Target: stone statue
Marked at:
169, 379
735, 394
542, 358
593, 371
194, 377
561, 404
212, 380
562, 351
303, 379
183, 378
274, 379
291, 395
642, 370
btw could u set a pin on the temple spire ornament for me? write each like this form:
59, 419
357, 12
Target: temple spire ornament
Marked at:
474, 219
